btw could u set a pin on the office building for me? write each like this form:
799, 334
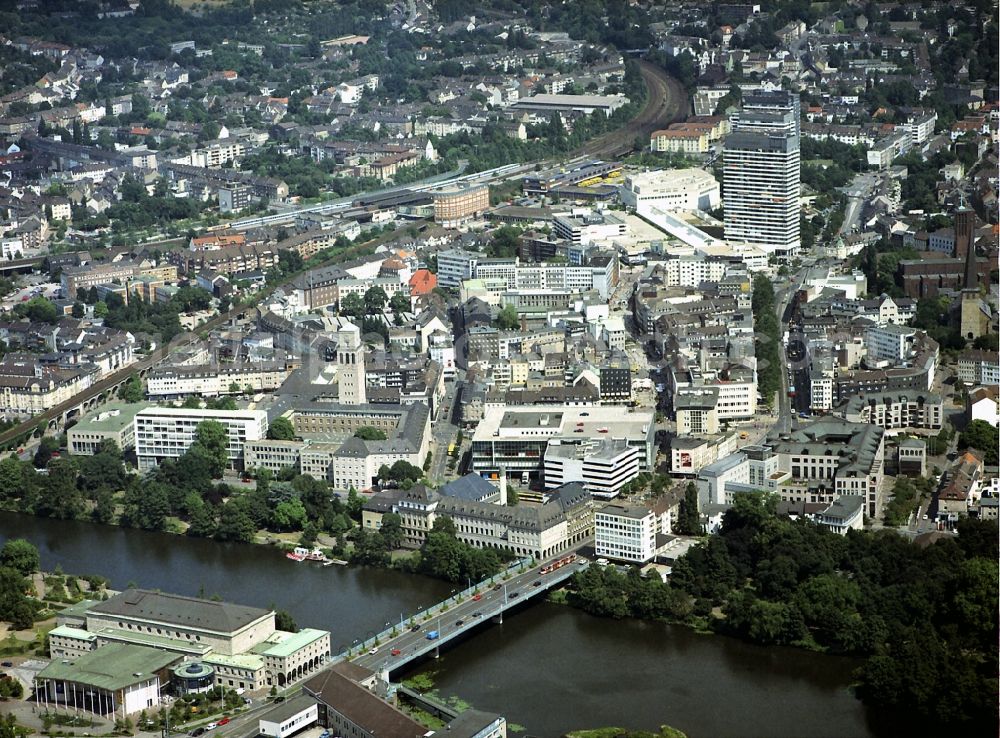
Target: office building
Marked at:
672, 189
167, 432
114, 422
628, 532
761, 174
603, 467
516, 438
456, 205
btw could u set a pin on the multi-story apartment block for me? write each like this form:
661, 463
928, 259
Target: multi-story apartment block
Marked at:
889, 343
761, 173
216, 379
894, 410
167, 432
979, 367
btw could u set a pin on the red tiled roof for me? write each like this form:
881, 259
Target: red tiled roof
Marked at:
422, 282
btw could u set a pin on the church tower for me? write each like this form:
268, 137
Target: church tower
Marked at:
965, 222
974, 321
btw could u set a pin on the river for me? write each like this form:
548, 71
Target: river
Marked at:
548, 668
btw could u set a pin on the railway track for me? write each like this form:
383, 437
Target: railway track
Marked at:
666, 103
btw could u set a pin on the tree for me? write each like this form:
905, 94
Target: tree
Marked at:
281, 429
20, 555
391, 531
507, 318
506, 239
283, 620
235, 524
79, 310
147, 506
132, 390
289, 515
101, 310
983, 437
375, 300
688, 519
211, 442
403, 470
369, 433
15, 607
353, 305
400, 303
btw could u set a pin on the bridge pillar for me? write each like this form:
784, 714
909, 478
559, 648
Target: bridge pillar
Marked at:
437, 652
498, 618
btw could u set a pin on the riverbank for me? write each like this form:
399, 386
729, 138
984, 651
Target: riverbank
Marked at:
646, 673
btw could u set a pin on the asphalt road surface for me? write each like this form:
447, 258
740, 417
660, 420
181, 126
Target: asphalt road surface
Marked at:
471, 612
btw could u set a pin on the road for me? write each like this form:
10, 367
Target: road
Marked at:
471, 613
858, 192
783, 298
443, 432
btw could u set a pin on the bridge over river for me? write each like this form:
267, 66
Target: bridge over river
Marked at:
424, 633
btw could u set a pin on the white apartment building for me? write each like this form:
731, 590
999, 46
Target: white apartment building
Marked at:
888, 343
821, 392
895, 410
692, 270
979, 367
761, 174
627, 532
214, 380
167, 432
672, 189
604, 467
752, 469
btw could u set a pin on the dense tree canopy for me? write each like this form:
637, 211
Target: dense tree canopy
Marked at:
924, 617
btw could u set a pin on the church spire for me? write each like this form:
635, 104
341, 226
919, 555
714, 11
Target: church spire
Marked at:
971, 281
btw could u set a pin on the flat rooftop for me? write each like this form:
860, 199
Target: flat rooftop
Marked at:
564, 420
112, 418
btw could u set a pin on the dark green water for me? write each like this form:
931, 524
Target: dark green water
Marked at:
548, 668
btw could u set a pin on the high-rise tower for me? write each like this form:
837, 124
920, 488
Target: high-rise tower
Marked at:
350, 364
761, 173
